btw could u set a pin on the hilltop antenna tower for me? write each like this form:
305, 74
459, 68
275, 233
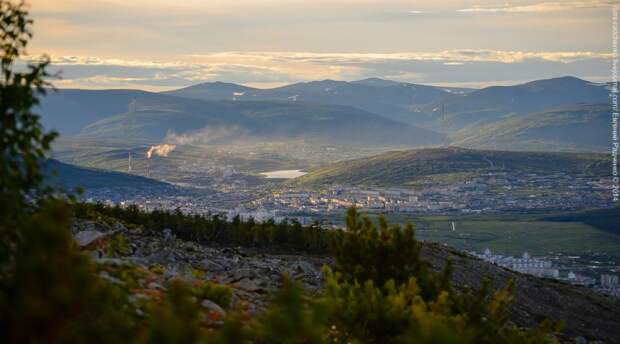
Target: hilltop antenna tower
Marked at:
445, 121
129, 163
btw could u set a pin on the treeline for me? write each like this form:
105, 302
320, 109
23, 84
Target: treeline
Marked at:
215, 229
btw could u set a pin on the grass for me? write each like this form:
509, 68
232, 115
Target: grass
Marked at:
515, 237
509, 234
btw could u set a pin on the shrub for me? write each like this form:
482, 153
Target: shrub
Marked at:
52, 294
220, 294
381, 291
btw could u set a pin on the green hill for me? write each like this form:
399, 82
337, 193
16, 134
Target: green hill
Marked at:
579, 128
70, 176
405, 167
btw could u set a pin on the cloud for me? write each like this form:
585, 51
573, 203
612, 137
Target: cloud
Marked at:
459, 55
277, 68
540, 7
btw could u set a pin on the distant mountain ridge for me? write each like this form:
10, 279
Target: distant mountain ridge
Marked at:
435, 107
70, 110
518, 117
491, 104
154, 118
577, 128
391, 99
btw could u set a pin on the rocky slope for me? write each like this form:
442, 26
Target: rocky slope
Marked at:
587, 314
252, 275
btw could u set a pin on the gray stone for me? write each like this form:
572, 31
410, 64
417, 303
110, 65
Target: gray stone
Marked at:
96, 254
211, 266
106, 276
85, 238
580, 340
213, 307
248, 285
156, 286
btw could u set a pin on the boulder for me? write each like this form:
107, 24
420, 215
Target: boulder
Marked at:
88, 237
248, 285
213, 307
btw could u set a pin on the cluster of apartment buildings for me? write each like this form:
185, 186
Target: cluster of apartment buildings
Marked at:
490, 193
607, 284
525, 264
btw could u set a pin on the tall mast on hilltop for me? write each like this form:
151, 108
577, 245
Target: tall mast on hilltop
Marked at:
129, 163
444, 120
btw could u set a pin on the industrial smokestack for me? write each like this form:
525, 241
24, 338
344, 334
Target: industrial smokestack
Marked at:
161, 150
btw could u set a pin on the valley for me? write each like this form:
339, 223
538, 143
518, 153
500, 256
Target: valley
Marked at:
474, 169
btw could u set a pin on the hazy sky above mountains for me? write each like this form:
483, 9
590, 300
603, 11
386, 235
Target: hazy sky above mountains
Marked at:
163, 44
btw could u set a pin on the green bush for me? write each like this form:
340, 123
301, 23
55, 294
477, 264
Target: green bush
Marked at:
291, 318
175, 320
117, 246
220, 294
381, 291
51, 293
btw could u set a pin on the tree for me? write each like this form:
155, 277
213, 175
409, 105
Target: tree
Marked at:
23, 142
381, 291
48, 291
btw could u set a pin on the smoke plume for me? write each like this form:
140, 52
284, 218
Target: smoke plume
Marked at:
161, 150
207, 135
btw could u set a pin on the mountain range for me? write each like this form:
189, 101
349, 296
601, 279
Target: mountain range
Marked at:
154, 118
388, 98
370, 115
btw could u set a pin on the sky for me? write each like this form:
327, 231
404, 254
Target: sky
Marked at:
166, 44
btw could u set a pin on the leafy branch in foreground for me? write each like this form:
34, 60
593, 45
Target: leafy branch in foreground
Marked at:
23, 142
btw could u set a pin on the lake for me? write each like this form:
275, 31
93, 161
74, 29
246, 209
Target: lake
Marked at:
283, 174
